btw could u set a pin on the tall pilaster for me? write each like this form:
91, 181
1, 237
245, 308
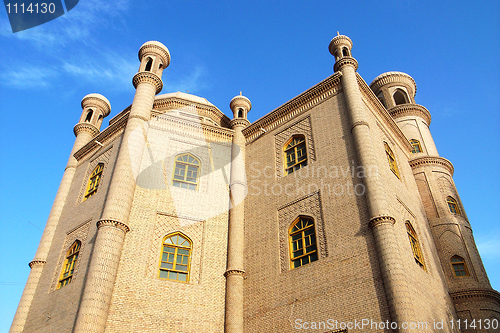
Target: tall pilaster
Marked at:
240, 105
380, 221
112, 226
95, 108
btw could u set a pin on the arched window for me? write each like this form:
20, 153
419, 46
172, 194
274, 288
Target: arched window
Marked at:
176, 257
295, 154
240, 113
149, 63
415, 246
69, 264
302, 242
391, 159
415, 145
186, 172
400, 97
453, 205
345, 52
95, 178
459, 266
89, 116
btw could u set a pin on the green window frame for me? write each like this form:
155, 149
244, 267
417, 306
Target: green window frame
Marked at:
175, 260
302, 242
186, 172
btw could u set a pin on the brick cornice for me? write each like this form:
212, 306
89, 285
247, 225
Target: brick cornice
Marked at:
85, 127
148, 77
408, 109
432, 161
475, 293
291, 109
113, 223
212, 112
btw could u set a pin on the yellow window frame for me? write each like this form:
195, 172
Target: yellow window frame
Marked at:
186, 173
453, 206
302, 242
392, 160
295, 154
175, 258
94, 180
415, 245
459, 266
68, 267
415, 146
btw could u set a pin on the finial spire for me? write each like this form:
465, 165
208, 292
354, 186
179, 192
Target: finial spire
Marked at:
240, 92
338, 34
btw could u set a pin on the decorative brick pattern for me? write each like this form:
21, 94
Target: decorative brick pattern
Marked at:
310, 205
303, 127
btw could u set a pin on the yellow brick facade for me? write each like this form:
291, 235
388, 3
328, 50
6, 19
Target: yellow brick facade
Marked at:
238, 218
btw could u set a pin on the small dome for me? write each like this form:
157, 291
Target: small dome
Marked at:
100, 100
240, 101
394, 77
156, 48
185, 96
339, 40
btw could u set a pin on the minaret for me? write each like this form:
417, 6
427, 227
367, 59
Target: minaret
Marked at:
380, 220
112, 226
468, 283
240, 105
95, 108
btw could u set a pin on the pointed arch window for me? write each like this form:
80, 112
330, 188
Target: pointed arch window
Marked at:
149, 64
415, 146
175, 260
459, 266
94, 180
453, 205
400, 97
302, 242
295, 153
391, 159
88, 118
69, 264
186, 172
415, 245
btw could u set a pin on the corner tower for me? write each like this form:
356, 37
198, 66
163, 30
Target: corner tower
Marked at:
112, 226
94, 108
466, 277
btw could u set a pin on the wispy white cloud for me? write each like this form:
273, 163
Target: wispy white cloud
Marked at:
489, 248
28, 77
192, 81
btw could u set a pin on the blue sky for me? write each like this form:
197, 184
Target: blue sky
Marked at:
272, 51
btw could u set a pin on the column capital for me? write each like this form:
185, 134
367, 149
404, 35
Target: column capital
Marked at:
148, 77
37, 262
345, 61
235, 271
114, 224
85, 127
379, 220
